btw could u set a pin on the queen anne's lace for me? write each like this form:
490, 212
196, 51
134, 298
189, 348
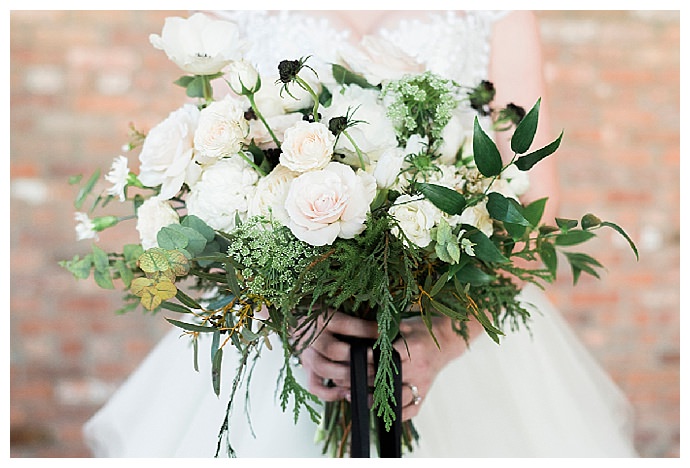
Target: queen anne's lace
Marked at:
455, 45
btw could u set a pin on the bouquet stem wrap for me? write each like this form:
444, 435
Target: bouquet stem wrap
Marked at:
389, 440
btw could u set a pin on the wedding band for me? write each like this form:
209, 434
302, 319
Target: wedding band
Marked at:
416, 398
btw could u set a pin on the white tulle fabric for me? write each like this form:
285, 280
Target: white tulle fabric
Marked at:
538, 394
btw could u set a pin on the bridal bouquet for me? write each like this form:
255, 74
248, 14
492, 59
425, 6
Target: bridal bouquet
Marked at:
263, 210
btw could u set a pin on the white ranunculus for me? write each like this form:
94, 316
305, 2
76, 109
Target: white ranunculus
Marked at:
168, 150
199, 45
388, 167
307, 146
378, 60
242, 77
222, 129
374, 135
478, 216
118, 176
270, 195
223, 192
329, 203
154, 214
415, 216
278, 123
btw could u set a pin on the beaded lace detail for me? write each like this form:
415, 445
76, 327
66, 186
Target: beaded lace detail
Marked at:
454, 45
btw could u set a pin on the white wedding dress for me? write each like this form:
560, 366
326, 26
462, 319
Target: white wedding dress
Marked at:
538, 394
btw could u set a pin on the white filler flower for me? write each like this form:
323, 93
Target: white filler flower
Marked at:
118, 176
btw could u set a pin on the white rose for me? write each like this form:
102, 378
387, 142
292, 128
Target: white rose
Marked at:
415, 216
270, 195
199, 45
222, 193
374, 135
478, 216
388, 167
379, 60
268, 98
243, 77
307, 146
168, 151
154, 214
329, 203
222, 129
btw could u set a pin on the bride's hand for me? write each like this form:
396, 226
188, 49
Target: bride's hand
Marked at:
327, 359
422, 359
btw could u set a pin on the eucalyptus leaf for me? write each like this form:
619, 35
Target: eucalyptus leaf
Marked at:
170, 238
200, 226
215, 371
190, 326
486, 154
524, 132
186, 300
176, 308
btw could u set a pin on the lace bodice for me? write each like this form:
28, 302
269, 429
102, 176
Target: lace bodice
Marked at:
455, 45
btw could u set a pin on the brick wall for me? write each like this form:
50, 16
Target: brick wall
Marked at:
78, 78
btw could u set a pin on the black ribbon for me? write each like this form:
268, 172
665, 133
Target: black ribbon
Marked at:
389, 441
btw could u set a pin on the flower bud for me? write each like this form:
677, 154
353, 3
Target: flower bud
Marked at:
243, 77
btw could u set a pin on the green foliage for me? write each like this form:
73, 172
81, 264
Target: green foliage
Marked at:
486, 154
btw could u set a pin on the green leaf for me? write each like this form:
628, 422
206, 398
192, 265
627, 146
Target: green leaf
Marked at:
484, 249
566, 224
344, 76
184, 81
547, 252
492, 331
100, 259
486, 154
447, 311
470, 274
191, 326
125, 272
231, 277
505, 209
186, 300
620, 231
444, 198
534, 211
526, 162
86, 189
199, 226
524, 133
170, 238
440, 283
176, 307
215, 370
103, 279
195, 88
580, 262
573, 237
132, 252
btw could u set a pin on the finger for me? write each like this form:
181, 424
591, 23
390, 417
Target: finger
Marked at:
353, 326
332, 348
324, 392
324, 367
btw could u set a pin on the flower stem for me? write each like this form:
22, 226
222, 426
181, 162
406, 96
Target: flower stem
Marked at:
244, 156
309, 89
252, 102
359, 152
